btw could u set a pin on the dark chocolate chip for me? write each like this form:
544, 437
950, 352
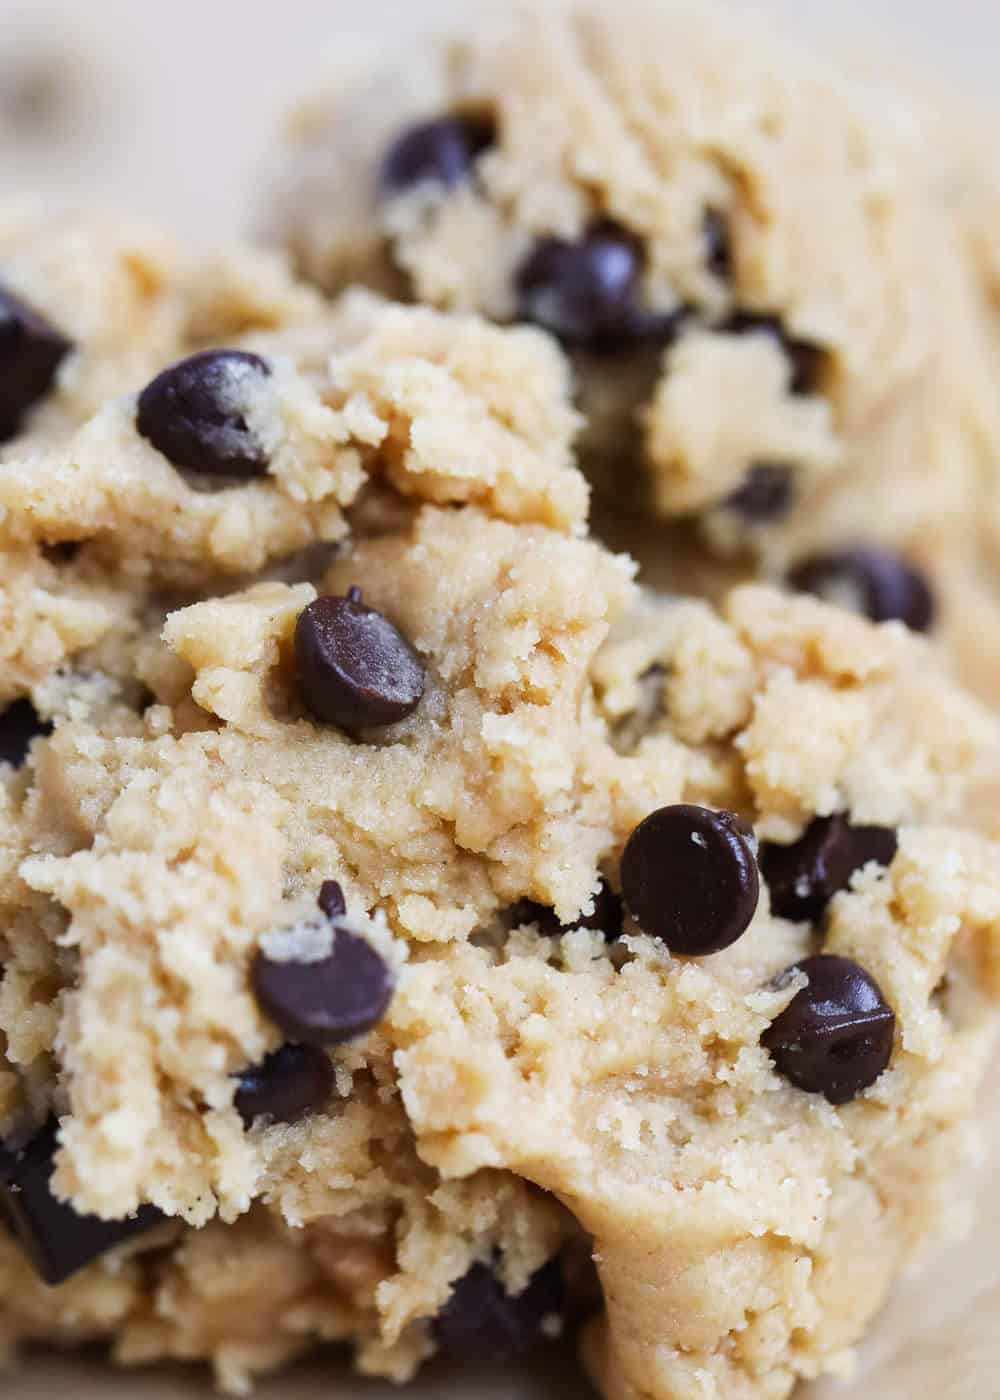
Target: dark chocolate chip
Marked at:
718, 245
329, 1000
289, 1084
331, 899
58, 1241
835, 1036
766, 494
444, 150
607, 917
195, 414
31, 351
356, 670
482, 1323
19, 724
586, 292
874, 582
689, 876
805, 358
805, 876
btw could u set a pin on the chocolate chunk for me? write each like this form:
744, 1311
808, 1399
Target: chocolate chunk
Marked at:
444, 150
586, 293
58, 1241
328, 1000
331, 899
874, 582
355, 668
31, 351
765, 495
835, 1036
289, 1084
689, 876
805, 358
19, 724
805, 876
607, 917
481, 1322
195, 413
718, 246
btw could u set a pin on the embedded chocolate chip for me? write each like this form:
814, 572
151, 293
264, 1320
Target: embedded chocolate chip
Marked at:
607, 918
805, 358
835, 1036
444, 150
57, 1240
482, 1322
31, 351
805, 876
766, 493
870, 581
19, 724
289, 1084
689, 876
195, 413
329, 999
356, 670
718, 246
586, 293
331, 899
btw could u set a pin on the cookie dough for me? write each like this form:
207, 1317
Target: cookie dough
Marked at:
750, 255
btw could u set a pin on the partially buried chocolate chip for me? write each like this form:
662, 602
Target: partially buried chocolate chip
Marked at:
289, 1084
444, 150
765, 495
805, 358
607, 917
31, 351
874, 582
481, 1322
57, 1240
19, 724
195, 413
689, 876
355, 669
835, 1036
331, 899
327, 999
804, 876
718, 246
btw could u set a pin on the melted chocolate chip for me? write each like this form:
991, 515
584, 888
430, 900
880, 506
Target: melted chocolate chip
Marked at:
835, 1036
718, 245
289, 1084
444, 150
328, 1000
331, 899
587, 292
607, 917
195, 414
805, 358
805, 876
766, 494
19, 724
690, 878
871, 581
355, 669
58, 1241
481, 1322
31, 351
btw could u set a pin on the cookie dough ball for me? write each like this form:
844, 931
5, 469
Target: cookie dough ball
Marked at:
749, 256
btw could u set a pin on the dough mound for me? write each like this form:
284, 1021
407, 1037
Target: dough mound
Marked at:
756, 181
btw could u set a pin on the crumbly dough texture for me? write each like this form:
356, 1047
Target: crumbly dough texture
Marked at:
523, 1091
839, 224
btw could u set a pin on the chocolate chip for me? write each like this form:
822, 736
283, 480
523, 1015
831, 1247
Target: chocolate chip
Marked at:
586, 292
689, 876
289, 1084
31, 351
805, 876
355, 668
444, 150
195, 413
481, 1322
718, 246
19, 724
331, 899
330, 999
765, 495
607, 917
835, 1036
58, 1241
805, 358
874, 582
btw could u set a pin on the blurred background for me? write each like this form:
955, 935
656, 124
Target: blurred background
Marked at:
169, 109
